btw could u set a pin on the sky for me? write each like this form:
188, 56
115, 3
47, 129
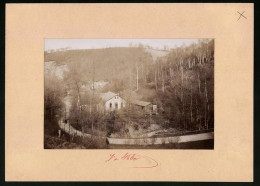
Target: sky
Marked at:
55, 44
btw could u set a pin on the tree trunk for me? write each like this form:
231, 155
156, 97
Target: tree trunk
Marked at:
181, 83
197, 112
137, 77
199, 81
155, 76
130, 80
162, 81
206, 103
191, 120
92, 100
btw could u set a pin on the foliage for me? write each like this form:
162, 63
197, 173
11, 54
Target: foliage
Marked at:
180, 83
53, 95
53, 105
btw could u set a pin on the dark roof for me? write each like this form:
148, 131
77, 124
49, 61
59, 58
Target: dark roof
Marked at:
141, 103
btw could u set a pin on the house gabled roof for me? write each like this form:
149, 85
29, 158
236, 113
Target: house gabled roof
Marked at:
141, 103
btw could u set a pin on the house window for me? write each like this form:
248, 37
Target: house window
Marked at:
110, 105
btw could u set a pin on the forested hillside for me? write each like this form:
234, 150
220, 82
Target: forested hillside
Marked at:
184, 85
180, 82
109, 63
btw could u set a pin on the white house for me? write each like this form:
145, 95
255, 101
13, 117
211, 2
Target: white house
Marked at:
112, 101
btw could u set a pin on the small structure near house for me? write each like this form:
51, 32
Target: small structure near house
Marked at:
147, 107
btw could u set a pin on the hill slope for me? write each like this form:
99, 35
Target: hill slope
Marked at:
109, 63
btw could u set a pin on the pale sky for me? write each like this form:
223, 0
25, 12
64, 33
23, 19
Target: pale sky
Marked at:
105, 43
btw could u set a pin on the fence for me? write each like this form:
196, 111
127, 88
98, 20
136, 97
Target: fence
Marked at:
66, 127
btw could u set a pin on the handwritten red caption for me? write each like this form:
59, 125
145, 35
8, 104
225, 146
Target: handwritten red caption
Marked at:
149, 162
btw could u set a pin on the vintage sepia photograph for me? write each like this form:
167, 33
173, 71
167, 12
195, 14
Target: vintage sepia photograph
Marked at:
129, 93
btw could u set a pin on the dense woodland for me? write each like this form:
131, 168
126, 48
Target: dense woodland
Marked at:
180, 83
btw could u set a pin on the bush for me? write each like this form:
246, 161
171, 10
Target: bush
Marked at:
58, 143
51, 127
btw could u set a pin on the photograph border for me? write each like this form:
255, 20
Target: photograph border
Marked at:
256, 110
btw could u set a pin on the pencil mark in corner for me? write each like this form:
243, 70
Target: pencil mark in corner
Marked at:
241, 15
